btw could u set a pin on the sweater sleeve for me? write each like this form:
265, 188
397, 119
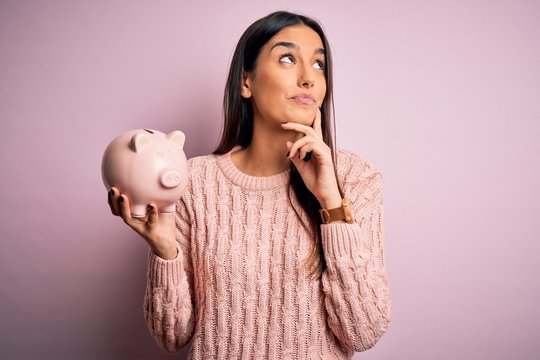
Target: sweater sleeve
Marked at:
355, 283
169, 301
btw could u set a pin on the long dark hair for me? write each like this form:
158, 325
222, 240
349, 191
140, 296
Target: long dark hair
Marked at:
238, 112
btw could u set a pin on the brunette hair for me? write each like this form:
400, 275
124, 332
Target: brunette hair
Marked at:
238, 113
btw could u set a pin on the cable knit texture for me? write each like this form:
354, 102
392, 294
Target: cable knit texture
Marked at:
237, 289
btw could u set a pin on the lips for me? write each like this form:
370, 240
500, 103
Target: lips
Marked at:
305, 99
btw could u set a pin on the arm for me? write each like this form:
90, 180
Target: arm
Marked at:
169, 301
355, 282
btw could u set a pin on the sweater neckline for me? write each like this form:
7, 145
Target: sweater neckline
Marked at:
248, 181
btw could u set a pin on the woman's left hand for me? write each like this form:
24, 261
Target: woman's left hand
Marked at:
318, 171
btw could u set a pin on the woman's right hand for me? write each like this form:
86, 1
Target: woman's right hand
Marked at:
157, 229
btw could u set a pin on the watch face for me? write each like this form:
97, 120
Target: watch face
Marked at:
347, 211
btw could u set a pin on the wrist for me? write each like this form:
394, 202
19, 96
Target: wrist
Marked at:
331, 202
340, 213
167, 254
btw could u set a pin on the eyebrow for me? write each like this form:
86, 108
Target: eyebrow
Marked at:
294, 46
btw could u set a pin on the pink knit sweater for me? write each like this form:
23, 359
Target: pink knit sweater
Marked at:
237, 288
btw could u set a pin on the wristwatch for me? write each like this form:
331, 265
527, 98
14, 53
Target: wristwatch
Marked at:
340, 213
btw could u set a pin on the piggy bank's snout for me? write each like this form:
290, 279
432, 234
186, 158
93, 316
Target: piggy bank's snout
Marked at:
170, 178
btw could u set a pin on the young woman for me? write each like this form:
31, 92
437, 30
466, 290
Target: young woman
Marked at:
276, 249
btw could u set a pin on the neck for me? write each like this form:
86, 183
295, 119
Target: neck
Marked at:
267, 153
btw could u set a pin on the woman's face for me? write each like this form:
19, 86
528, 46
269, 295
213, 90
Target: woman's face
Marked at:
288, 83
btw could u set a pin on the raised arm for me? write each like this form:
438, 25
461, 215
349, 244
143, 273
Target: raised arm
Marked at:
355, 282
169, 301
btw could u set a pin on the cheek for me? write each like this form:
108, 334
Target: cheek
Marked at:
268, 93
322, 91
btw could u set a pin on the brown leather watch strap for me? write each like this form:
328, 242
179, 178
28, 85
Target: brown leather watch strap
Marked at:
340, 213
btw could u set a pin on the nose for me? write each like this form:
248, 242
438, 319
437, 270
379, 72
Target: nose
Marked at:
306, 78
170, 178
307, 83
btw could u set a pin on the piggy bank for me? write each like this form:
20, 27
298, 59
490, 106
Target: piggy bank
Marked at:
149, 167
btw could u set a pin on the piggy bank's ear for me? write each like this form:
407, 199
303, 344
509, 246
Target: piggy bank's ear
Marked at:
139, 141
177, 137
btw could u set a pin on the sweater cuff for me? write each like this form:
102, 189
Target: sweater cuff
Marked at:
165, 273
341, 239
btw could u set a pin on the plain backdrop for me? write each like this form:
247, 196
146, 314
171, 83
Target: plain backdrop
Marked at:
442, 96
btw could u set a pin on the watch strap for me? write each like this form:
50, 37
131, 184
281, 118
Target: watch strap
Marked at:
340, 213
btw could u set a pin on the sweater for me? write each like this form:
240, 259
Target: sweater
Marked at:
237, 289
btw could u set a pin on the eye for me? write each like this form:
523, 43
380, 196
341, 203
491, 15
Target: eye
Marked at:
319, 65
287, 58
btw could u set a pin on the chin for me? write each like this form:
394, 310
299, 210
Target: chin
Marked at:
304, 116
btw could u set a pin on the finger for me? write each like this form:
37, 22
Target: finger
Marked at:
301, 128
317, 123
298, 144
153, 216
305, 150
288, 144
314, 149
125, 209
109, 201
298, 164
113, 197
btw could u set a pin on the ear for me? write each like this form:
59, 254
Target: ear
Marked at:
177, 137
246, 85
139, 141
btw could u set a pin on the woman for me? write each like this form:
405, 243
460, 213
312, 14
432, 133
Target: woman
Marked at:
277, 252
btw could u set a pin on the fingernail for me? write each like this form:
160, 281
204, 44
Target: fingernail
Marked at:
121, 199
288, 152
111, 193
150, 207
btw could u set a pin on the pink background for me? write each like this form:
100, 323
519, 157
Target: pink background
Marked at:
443, 96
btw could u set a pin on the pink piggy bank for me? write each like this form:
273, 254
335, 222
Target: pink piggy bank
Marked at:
149, 167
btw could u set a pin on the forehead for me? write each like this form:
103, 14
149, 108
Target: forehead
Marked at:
303, 36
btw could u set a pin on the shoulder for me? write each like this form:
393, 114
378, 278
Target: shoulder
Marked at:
199, 164
352, 167
201, 168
